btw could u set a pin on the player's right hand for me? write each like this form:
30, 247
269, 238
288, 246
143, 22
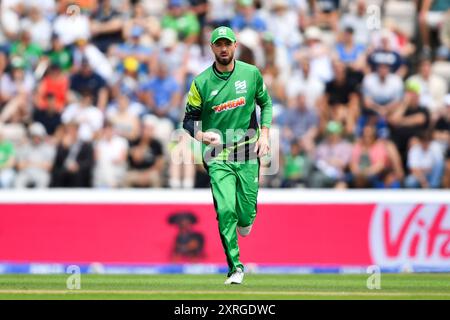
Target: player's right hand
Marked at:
211, 138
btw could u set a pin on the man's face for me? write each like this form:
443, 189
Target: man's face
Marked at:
425, 68
383, 70
223, 50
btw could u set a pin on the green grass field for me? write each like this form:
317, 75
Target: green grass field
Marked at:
323, 286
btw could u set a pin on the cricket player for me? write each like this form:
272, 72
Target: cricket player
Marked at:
221, 113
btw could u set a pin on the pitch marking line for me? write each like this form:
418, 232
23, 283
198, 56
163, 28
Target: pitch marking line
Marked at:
285, 293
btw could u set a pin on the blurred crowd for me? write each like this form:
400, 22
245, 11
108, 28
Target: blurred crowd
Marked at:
92, 92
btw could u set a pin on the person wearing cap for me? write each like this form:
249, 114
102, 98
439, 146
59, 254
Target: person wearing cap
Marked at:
408, 119
221, 113
35, 159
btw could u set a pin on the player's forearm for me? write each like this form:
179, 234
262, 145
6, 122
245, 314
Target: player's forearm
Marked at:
266, 113
265, 132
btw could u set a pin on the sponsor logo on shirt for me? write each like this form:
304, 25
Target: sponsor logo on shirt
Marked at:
241, 86
232, 104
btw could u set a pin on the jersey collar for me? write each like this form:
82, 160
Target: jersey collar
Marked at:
220, 75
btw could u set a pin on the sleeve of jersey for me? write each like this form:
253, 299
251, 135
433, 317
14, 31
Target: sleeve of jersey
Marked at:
264, 101
193, 110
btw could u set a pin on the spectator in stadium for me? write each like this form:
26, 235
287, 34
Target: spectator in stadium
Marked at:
182, 20
56, 84
317, 53
297, 165
357, 20
71, 27
285, 23
83, 49
247, 17
124, 121
39, 27
128, 81
145, 159
162, 94
299, 121
85, 79
275, 55
431, 15
303, 81
384, 53
147, 15
133, 48
27, 50
16, 88
89, 118
426, 163
408, 119
59, 54
441, 131
433, 88
9, 30
371, 164
49, 117
220, 13
200, 9
350, 53
106, 26
382, 91
441, 135
332, 158
340, 101
7, 161
182, 162
403, 44
326, 13
34, 159
444, 50
74, 160
110, 154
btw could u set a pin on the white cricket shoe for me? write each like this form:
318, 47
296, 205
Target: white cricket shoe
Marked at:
236, 278
244, 231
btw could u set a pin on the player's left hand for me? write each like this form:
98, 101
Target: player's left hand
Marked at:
262, 146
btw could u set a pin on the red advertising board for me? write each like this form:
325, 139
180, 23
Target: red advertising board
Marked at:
286, 234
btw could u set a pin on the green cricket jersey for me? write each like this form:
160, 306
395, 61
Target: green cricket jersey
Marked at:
226, 104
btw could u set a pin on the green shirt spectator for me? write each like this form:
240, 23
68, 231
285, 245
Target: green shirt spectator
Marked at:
184, 22
6, 153
297, 166
24, 48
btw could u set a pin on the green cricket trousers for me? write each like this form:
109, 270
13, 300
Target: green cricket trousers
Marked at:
234, 187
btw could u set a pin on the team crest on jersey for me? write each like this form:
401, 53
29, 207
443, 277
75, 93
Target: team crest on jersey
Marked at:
229, 105
241, 86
